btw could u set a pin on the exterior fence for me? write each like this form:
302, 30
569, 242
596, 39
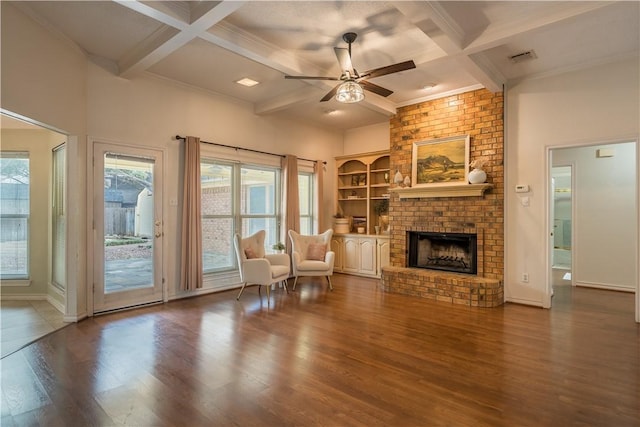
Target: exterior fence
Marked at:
119, 221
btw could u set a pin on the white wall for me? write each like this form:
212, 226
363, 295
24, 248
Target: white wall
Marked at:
44, 79
150, 111
605, 198
367, 138
596, 105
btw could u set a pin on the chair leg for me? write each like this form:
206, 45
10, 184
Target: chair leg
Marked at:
268, 292
284, 283
241, 290
294, 282
330, 285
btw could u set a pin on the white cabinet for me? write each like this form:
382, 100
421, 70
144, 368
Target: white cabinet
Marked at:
357, 254
337, 246
383, 254
351, 255
367, 256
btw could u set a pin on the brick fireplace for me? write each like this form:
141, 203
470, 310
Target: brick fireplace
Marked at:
478, 114
454, 252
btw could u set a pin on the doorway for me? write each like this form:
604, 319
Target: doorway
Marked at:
562, 223
127, 227
593, 217
33, 235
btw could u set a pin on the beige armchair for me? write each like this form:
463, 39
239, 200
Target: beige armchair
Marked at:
312, 255
256, 268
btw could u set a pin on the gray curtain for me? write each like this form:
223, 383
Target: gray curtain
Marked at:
191, 260
290, 197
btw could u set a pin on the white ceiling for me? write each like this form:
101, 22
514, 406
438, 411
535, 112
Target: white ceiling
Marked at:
456, 45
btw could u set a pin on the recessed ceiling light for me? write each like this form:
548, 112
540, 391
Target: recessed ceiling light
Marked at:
331, 112
247, 82
429, 86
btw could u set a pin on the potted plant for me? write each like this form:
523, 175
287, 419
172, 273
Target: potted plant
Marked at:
279, 247
340, 223
381, 208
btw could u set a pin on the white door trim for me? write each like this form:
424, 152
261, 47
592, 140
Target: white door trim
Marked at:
91, 232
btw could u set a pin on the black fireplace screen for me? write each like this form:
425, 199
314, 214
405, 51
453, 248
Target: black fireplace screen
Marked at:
456, 252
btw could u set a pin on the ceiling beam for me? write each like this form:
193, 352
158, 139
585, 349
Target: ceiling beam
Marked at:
178, 33
496, 35
282, 102
378, 104
434, 21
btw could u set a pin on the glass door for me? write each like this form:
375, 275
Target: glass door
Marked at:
127, 227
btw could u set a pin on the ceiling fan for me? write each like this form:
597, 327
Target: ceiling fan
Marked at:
353, 83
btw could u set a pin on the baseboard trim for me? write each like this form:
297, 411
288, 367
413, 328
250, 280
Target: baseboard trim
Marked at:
605, 286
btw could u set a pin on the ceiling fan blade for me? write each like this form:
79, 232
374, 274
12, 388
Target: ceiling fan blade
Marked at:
389, 69
331, 94
311, 78
375, 88
344, 59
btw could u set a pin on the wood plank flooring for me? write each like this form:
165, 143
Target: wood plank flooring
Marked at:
352, 357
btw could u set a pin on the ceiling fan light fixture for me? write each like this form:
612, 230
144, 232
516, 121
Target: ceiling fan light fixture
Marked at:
349, 92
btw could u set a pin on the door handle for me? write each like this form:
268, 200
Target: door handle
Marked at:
158, 232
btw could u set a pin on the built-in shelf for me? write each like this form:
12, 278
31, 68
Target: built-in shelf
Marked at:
362, 181
463, 190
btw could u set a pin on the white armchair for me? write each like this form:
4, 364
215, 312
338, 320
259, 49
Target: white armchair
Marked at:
256, 268
312, 255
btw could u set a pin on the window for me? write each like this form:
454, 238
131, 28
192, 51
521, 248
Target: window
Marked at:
218, 221
58, 219
14, 215
236, 198
305, 193
260, 202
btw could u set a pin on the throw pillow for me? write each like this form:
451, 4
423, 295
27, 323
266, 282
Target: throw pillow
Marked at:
250, 253
316, 251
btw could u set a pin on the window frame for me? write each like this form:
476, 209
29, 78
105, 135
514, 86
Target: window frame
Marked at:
237, 216
231, 215
277, 203
310, 175
20, 279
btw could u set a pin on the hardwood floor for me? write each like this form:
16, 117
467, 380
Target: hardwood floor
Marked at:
352, 357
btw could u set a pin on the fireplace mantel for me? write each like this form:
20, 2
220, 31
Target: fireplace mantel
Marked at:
462, 190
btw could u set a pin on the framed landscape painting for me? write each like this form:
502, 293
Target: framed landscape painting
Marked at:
442, 161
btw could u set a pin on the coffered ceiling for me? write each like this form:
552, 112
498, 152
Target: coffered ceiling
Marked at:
456, 46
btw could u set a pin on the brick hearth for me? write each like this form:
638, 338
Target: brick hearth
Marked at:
479, 114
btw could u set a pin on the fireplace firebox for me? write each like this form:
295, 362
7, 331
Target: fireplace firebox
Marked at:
455, 252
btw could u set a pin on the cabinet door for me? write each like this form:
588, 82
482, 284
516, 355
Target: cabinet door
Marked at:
368, 256
350, 259
337, 246
383, 254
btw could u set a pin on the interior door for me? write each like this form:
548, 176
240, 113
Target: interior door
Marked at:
127, 227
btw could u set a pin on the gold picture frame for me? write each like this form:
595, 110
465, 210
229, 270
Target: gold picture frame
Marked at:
440, 162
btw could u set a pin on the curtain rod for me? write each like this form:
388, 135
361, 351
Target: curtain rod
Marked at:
249, 149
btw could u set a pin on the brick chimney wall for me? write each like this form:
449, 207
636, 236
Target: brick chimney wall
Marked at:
479, 114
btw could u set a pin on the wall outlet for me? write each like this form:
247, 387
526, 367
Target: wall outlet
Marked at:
525, 277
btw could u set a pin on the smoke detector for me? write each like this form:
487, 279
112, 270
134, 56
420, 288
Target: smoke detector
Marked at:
523, 56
